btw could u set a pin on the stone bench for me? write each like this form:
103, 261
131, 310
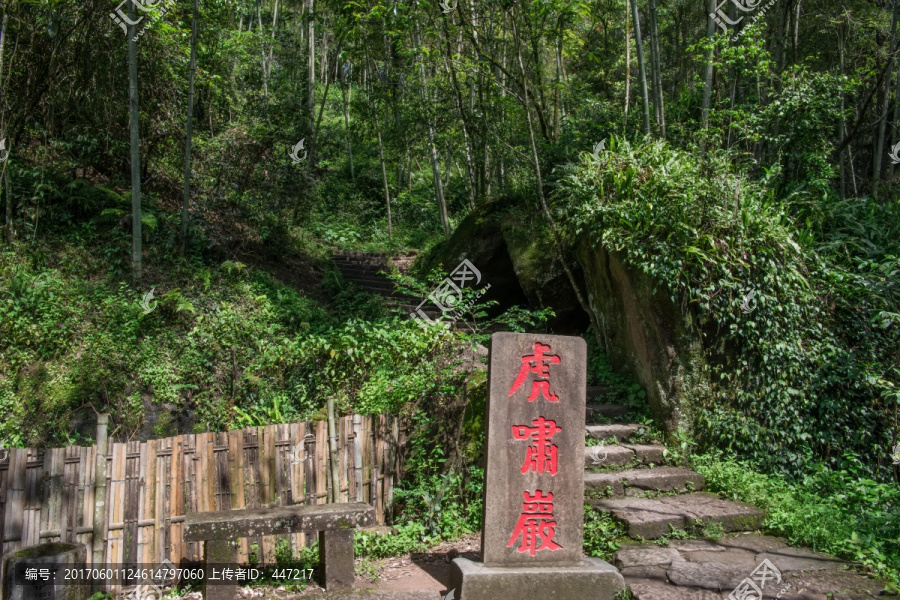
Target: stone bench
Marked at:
334, 523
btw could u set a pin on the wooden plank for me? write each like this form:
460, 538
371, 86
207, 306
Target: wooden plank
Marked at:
221, 488
147, 534
52, 511
178, 548
87, 508
189, 489
33, 497
297, 431
163, 503
341, 451
69, 494
15, 502
235, 463
252, 492
358, 444
323, 481
131, 506
268, 475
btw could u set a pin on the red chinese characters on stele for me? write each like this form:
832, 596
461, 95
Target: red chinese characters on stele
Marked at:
539, 364
536, 526
541, 455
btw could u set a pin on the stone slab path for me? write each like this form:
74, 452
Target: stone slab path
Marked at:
702, 570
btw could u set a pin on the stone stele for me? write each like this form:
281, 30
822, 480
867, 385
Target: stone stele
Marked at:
534, 480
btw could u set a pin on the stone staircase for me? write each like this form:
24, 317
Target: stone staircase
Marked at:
365, 270
632, 480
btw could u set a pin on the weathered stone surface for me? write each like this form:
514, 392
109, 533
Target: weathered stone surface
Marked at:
732, 556
753, 541
644, 517
336, 559
636, 557
711, 575
592, 579
663, 479
801, 559
54, 556
837, 581
651, 518
605, 432
657, 573
610, 411
217, 554
695, 546
656, 590
643, 331
647, 453
233, 524
606, 456
536, 391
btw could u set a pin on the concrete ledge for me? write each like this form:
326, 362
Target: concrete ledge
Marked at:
593, 579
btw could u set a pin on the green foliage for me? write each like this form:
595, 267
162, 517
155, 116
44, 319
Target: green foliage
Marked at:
795, 377
602, 534
836, 511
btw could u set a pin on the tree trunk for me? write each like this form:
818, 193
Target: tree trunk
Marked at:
627, 60
658, 96
387, 192
895, 123
540, 183
10, 234
708, 79
642, 67
344, 85
882, 126
136, 240
188, 129
311, 64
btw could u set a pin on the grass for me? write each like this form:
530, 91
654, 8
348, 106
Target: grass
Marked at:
837, 512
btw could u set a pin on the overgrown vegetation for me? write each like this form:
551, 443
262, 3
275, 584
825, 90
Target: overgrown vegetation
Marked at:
812, 372
839, 511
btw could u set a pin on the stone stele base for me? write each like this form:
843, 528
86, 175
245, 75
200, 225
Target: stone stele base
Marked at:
593, 579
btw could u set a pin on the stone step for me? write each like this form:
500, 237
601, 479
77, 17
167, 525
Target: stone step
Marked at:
595, 391
633, 481
621, 432
651, 518
609, 411
615, 455
371, 282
